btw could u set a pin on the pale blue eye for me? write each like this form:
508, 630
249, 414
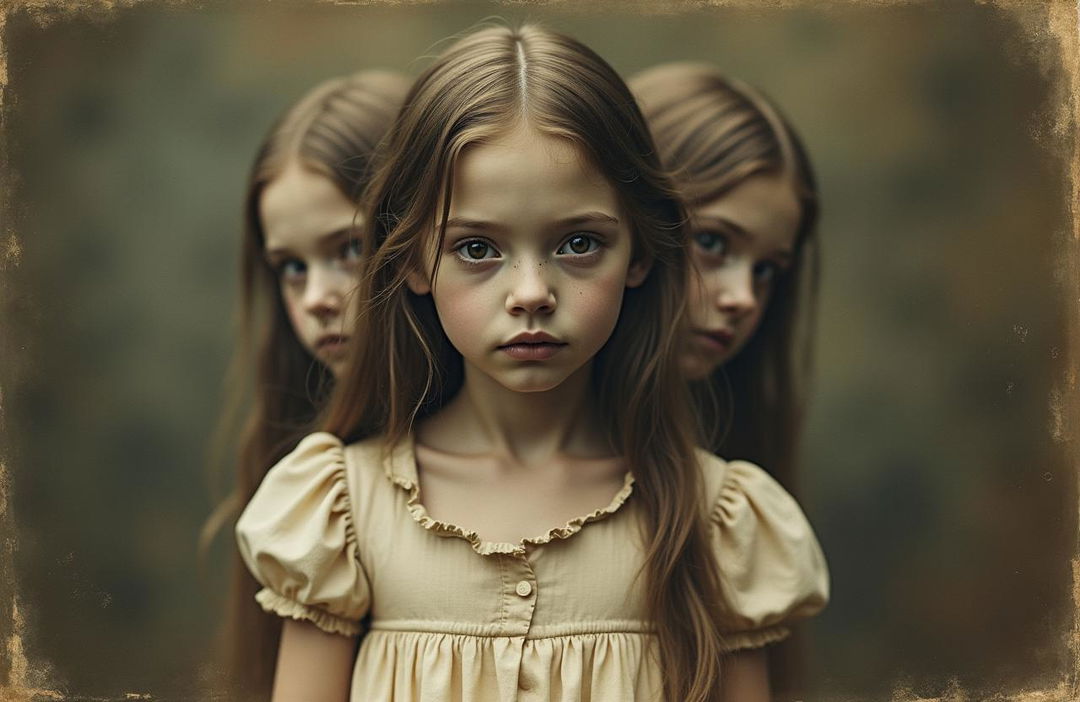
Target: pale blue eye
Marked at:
765, 273
579, 244
292, 268
352, 250
712, 243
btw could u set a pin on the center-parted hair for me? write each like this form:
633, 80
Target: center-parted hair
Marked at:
483, 85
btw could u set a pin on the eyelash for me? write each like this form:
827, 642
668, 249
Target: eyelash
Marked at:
348, 253
776, 268
459, 250
352, 249
719, 237
596, 243
282, 269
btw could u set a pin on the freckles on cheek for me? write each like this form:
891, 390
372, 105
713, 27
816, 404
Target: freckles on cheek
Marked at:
597, 302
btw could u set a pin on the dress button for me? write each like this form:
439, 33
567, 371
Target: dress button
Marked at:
524, 588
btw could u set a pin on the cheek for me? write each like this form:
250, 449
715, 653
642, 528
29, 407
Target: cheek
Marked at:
295, 311
464, 310
291, 299
350, 310
596, 301
699, 296
746, 331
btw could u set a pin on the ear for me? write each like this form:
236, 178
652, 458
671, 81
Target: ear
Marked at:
638, 272
418, 282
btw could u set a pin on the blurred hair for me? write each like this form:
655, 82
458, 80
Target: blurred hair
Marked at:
484, 84
332, 131
713, 133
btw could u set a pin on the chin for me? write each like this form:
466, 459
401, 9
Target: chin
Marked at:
696, 368
532, 380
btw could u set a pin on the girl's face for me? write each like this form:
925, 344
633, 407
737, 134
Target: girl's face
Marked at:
740, 242
310, 230
534, 261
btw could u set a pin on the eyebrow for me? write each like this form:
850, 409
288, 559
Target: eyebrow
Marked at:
595, 217
726, 224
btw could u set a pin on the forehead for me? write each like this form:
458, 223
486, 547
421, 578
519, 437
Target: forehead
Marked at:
764, 205
299, 206
525, 174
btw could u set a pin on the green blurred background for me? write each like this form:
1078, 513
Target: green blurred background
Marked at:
944, 503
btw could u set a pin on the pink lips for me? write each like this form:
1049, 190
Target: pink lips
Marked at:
532, 346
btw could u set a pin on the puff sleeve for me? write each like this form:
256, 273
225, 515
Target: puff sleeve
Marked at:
771, 566
297, 538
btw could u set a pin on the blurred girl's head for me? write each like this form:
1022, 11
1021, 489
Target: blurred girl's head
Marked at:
520, 186
752, 203
301, 240
298, 270
751, 198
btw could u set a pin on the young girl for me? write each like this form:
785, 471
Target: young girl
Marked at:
747, 182
508, 487
753, 206
299, 267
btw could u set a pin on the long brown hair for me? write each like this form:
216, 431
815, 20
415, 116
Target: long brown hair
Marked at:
332, 131
483, 84
713, 133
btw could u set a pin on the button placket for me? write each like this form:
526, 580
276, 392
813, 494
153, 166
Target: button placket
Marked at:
519, 598
520, 594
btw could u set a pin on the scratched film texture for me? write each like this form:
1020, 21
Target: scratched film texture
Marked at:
939, 493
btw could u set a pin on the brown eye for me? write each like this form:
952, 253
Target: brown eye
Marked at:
579, 244
476, 251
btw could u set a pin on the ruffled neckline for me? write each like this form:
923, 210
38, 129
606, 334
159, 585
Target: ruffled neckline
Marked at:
400, 468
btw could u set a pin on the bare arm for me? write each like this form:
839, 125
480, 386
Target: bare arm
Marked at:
746, 677
313, 665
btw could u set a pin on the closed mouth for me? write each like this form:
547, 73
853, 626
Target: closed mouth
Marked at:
331, 340
533, 338
532, 346
721, 337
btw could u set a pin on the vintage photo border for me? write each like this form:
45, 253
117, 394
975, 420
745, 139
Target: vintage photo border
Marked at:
1051, 30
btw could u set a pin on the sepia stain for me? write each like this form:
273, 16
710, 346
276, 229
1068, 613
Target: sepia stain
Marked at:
1057, 416
11, 251
24, 682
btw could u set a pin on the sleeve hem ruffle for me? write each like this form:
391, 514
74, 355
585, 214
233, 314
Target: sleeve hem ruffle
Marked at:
757, 638
274, 603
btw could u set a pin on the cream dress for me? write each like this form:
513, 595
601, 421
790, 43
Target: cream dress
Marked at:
338, 533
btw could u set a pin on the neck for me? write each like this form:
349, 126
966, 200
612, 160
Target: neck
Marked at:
524, 427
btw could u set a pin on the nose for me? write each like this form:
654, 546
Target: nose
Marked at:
325, 292
530, 292
735, 293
